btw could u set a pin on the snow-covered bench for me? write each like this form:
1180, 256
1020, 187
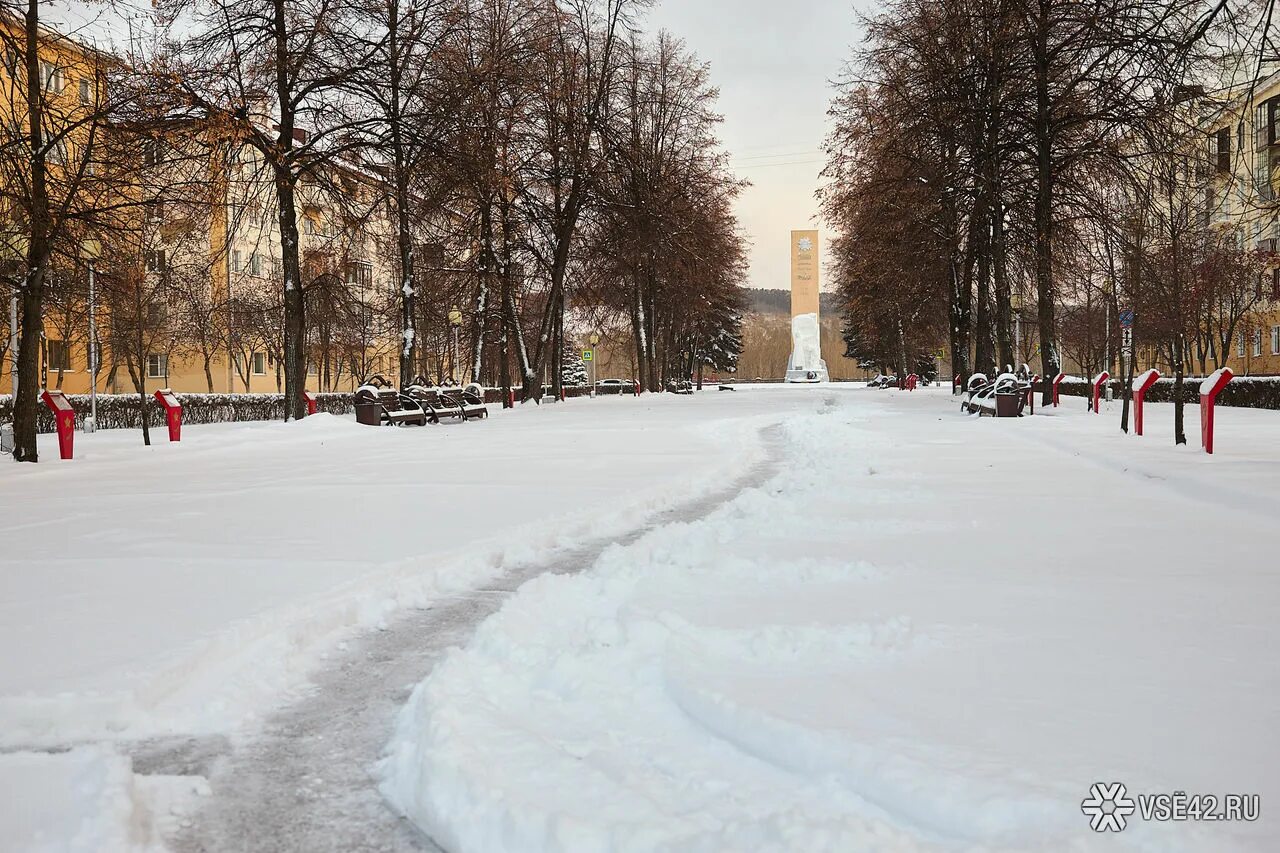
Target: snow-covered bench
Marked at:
377, 403
1003, 398
461, 403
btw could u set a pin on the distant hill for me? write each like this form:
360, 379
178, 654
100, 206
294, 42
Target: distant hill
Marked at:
779, 302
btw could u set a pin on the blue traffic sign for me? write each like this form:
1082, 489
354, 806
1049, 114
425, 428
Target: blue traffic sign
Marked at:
1126, 318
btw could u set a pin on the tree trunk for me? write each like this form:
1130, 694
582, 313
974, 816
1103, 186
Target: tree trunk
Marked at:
38, 251
294, 359
637, 335
1050, 361
1179, 374
1003, 296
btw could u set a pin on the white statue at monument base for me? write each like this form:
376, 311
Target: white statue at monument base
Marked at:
806, 364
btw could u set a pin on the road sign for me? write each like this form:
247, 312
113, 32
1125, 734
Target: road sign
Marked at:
587, 355
1126, 318
1126, 337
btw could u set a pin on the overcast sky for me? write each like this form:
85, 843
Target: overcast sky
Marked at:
773, 62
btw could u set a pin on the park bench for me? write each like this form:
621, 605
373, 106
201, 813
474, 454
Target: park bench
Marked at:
470, 399
377, 403
461, 403
1004, 397
679, 386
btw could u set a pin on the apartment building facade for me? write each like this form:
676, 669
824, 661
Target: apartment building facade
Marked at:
198, 241
1243, 193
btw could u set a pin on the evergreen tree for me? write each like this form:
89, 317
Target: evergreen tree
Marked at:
573, 371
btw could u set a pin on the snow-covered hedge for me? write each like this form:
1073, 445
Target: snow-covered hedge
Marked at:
1253, 392
120, 411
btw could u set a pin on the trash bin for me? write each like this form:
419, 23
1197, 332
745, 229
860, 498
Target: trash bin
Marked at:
1009, 405
369, 414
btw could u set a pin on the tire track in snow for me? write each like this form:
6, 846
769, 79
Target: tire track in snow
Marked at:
305, 781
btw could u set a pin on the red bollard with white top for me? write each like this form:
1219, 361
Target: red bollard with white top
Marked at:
1140, 387
172, 412
1098, 382
313, 405
1031, 393
1057, 380
65, 418
1209, 390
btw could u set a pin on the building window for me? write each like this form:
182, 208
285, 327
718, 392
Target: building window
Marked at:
86, 91
57, 355
155, 260
152, 152
51, 78
259, 364
360, 273
1222, 150
237, 261
157, 366
58, 152
1257, 342
1275, 340
255, 264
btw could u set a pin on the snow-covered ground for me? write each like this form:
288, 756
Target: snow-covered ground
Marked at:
186, 589
928, 632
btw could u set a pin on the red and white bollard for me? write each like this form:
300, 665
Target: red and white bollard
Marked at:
1140, 387
313, 405
955, 385
172, 412
1098, 381
511, 398
1057, 380
1209, 390
65, 418
1031, 394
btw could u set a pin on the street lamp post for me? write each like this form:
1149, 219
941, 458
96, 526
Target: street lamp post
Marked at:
1106, 345
13, 250
455, 321
594, 339
92, 251
1016, 303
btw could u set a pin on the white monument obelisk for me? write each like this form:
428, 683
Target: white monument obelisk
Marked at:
805, 363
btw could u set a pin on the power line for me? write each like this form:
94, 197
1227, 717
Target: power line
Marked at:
749, 167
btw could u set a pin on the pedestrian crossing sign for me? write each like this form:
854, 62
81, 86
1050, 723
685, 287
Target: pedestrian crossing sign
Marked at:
587, 355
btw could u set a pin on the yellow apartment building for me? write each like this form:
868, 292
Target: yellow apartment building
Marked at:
218, 247
1244, 192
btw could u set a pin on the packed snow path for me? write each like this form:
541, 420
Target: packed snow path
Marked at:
926, 633
161, 602
307, 783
